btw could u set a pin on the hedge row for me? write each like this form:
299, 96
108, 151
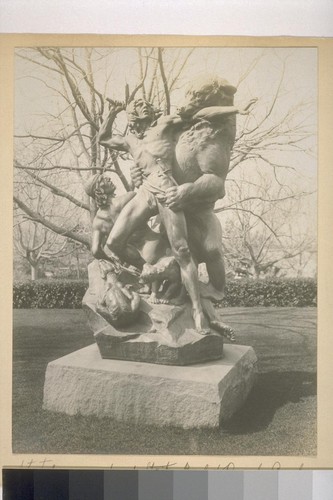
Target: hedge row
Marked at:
47, 294
68, 294
279, 292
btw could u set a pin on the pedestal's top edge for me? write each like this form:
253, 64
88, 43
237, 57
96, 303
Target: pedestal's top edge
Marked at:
90, 359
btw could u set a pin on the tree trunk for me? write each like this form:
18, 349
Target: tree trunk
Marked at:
256, 271
34, 272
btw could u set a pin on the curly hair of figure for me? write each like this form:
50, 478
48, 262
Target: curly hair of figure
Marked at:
101, 196
211, 91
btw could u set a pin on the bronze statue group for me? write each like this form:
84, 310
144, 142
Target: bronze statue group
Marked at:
180, 165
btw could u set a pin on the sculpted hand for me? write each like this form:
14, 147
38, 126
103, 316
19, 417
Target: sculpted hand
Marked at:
115, 106
187, 113
175, 197
247, 108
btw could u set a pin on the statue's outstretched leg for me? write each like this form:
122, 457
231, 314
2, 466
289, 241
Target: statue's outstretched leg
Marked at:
224, 329
215, 323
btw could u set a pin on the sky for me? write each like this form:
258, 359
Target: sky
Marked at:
32, 97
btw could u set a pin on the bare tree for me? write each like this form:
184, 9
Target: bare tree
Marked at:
35, 243
263, 235
59, 150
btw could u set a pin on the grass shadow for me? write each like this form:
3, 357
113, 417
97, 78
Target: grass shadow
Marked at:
272, 391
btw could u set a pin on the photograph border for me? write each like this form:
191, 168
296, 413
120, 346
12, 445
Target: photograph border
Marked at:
324, 457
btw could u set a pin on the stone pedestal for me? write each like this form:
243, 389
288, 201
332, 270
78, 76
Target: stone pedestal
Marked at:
194, 396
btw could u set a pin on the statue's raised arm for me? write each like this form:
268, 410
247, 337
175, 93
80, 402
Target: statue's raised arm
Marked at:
106, 137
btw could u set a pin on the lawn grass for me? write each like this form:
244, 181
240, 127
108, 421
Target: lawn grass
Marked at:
279, 417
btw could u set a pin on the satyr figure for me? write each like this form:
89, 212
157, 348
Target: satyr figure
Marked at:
181, 164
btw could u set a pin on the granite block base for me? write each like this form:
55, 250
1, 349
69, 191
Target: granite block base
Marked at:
201, 395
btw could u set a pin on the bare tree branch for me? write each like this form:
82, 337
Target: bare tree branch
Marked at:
165, 82
176, 77
59, 192
58, 59
61, 167
50, 225
250, 212
139, 86
55, 139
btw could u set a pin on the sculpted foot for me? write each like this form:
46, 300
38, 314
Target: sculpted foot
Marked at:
200, 322
224, 329
154, 300
163, 301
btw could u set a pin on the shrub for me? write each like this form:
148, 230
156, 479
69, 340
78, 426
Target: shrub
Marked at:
279, 292
68, 294
47, 294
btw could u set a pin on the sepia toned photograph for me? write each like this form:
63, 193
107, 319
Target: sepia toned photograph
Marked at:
165, 251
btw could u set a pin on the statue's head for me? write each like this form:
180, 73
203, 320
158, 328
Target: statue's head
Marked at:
119, 310
140, 115
205, 92
100, 187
